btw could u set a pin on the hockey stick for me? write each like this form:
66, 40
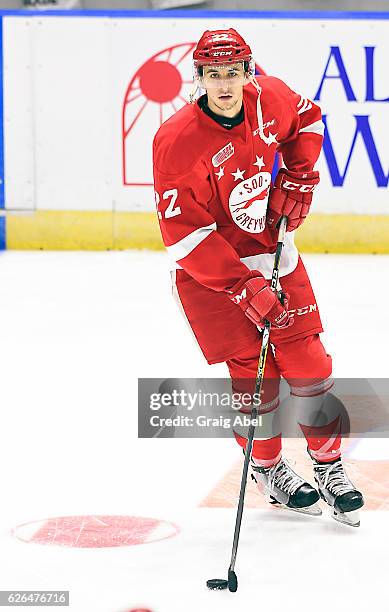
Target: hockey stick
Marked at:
232, 578
232, 582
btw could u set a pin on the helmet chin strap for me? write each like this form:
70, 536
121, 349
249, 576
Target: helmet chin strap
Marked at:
193, 92
266, 139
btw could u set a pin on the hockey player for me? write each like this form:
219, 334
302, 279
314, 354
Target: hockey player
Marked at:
218, 212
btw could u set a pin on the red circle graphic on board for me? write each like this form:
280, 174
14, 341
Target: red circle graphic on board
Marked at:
158, 89
160, 81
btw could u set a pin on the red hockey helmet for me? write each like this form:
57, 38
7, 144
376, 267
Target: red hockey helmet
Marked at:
221, 47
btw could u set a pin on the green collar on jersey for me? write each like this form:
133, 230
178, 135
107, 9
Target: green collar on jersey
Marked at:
226, 122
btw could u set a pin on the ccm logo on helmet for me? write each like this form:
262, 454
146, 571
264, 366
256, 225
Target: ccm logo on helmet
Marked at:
217, 53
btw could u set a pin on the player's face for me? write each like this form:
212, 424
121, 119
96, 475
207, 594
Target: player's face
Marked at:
224, 85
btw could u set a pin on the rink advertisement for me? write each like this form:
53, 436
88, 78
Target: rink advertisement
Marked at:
79, 119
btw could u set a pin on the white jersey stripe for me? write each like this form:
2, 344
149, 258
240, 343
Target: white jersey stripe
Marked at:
307, 106
315, 128
186, 245
264, 262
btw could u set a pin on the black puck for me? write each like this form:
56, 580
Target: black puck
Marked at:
217, 584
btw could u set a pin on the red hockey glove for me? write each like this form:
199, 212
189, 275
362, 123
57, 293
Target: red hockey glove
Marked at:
291, 196
259, 302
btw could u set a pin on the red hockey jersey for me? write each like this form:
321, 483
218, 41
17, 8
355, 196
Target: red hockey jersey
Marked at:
212, 184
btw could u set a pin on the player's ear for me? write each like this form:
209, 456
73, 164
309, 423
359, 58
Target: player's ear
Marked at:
249, 76
248, 72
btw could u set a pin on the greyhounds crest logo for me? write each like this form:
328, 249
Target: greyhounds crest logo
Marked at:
248, 202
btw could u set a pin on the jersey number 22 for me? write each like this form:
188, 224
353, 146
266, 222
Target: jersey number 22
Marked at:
171, 210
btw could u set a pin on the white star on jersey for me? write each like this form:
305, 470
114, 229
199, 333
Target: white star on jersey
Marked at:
220, 173
271, 138
260, 163
238, 174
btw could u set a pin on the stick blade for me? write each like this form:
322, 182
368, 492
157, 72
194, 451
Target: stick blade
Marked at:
217, 584
232, 581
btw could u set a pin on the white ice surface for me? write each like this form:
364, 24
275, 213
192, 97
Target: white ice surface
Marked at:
77, 331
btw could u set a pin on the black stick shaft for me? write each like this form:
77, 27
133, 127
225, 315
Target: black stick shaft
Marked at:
258, 388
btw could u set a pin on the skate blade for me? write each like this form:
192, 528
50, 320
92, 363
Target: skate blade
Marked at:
313, 510
347, 518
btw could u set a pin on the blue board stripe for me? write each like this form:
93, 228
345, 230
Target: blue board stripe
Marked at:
200, 14
2, 187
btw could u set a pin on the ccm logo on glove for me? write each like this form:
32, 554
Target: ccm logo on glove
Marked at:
254, 296
298, 187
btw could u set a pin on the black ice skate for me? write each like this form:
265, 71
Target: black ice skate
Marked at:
283, 487
338, 491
